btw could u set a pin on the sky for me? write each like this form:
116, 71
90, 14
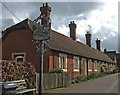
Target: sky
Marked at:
101, 15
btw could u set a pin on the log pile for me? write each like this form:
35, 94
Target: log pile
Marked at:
12, 71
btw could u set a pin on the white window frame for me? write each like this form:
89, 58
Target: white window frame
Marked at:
95, 66
65, 56
85, 62
18, 55
89, 65
84, 66
16, 58
78, 63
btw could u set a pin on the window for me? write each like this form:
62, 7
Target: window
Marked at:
76, 63
89, 65
95, 65
63, 61
83, 66
19, 57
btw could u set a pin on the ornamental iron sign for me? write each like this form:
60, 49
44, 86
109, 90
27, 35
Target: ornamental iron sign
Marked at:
41, 32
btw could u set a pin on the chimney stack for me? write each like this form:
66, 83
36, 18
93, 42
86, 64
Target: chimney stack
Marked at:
88, 39
72, 27
98, 44
45, 14
105, 50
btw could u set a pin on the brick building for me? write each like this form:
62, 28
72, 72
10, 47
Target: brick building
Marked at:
113, 56
62, 52
118, 61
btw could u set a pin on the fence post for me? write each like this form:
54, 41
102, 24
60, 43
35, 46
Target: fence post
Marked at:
56, 79
37, 82
63, 79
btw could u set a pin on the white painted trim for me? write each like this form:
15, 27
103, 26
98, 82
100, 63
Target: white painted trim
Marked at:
76, 70
90, 64
85, 67
19, 54
89, 70
64, 70
16, 58
59, 63
96, 70
66, 63
63, 55
74, 58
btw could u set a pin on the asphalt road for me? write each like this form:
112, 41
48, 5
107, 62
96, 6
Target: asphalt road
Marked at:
106, 84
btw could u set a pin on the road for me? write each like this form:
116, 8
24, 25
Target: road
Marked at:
106, 84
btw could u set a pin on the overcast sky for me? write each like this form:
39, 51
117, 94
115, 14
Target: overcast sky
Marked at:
102, 16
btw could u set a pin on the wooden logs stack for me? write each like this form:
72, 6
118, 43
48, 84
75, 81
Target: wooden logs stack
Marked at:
12, 71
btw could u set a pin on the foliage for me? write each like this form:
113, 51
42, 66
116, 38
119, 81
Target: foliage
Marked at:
12, 71
86, 78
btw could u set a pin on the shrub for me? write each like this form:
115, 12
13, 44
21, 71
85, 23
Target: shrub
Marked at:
12, 71
86, 78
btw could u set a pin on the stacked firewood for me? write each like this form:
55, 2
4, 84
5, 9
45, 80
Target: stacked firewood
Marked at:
12, 71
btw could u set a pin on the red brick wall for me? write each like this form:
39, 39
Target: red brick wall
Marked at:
76, 73
19, 41
51, 61
54, 59
70, 64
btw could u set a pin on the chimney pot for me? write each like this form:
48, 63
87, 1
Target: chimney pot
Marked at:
46, 4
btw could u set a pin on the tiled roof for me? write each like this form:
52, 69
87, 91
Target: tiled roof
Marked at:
65, 44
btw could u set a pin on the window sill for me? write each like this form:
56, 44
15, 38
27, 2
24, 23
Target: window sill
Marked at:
95, 69
89, 70
75, 70
64, 70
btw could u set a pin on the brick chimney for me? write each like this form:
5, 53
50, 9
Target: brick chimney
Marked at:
105, 50
72, 27
45, 14
88, 39
98, 44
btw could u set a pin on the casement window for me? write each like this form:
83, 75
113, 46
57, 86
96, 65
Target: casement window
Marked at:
63, 61
95, 65
83, 66
76, 63
89, 65
19, 57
